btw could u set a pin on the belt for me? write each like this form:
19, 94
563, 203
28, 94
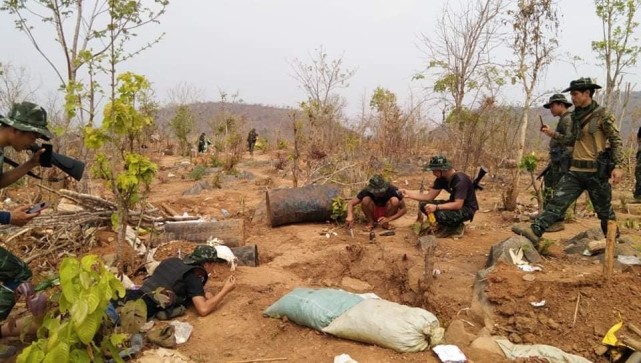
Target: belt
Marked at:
584, 164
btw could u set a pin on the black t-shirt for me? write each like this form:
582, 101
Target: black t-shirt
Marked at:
461, 187
382, 199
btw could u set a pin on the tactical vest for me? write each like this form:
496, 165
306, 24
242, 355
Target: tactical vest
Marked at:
559, 152
590, 141
169, 275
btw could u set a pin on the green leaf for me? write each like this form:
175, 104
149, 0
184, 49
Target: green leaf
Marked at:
79, 356
58, 354
88, 329
79, 312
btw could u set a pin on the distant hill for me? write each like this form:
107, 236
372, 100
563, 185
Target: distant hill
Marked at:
269, 121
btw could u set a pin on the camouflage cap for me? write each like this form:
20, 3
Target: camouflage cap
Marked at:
438, 162
377, 184
202, 254
582, 84
27, 116
558, 98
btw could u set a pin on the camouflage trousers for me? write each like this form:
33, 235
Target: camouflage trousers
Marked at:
449, 218
637, 176
569, 188
13, 271
551, 181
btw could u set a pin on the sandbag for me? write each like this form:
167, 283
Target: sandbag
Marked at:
388, 324
553, 354
314, 308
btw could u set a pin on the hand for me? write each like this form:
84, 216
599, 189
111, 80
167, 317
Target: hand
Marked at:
617, 174
547, 130
349, 221
230, 283
383, 220
25, 289
20, 217
404, 192
430, 208
35, 158
37, 305
209, 295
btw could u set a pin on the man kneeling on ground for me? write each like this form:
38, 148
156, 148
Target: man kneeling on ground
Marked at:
462, 204
177, 282
381, 203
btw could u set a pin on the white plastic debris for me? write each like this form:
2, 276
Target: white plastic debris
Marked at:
449, 353
225, 213
225, 253
344, 358
517, 256
529, 268
182, 331
538, 304
629, 260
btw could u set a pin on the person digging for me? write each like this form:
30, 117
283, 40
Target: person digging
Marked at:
381, 203
461, 205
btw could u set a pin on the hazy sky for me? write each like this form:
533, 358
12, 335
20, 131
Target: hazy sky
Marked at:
247, 45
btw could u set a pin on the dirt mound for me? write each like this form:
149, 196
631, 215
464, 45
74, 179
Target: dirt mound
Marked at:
600, 305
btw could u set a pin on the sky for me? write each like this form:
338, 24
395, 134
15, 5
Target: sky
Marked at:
247, 46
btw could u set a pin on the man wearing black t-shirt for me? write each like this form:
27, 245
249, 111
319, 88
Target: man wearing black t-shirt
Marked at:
461, 205
381, 203
177, 282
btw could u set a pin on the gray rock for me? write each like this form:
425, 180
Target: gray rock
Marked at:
198, 188
501, 251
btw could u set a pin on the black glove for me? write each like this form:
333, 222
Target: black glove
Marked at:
37, 304
25, 289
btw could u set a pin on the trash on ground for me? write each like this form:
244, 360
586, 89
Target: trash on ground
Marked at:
387, 233
182, 331
344, 358
610, 337
517, 256
449, 353
538, 304
529, 268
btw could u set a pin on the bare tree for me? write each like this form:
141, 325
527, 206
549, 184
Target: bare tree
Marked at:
535, 24
86, 30
15, 85
460, 48
184, 93
321, 79
618, 50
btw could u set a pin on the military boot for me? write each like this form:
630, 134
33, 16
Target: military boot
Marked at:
525, 230
556, 227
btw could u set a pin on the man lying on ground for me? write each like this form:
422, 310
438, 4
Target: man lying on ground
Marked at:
381, 203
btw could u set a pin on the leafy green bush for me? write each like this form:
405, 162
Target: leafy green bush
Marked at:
198, 172
68, 331
281, 144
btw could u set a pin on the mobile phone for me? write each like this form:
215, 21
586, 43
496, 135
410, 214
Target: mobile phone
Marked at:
38, 207
45, 158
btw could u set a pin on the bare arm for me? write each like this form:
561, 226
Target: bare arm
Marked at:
11, 176
349, 219
206, 304
402, 209
425, 197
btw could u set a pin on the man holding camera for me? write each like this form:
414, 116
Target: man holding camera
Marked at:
25, 123
592, 163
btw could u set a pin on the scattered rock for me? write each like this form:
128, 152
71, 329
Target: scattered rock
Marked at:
456, 334
529, 338
515, 338
553, 324
529, 277
501, 251
198, 188
487, 344
600, 349
353, 284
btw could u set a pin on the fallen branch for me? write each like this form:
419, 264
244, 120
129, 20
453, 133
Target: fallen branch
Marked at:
635, 329
48, 251
576, 309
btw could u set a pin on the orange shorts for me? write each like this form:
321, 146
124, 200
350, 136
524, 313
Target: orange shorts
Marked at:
379, 212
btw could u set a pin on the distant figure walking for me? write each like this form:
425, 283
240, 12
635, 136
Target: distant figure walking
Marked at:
203, 143
251, 141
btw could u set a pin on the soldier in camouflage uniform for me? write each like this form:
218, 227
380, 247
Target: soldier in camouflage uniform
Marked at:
25, 123
637, 170
593, 126
561, 143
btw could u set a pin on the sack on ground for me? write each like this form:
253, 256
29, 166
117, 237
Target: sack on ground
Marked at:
390, 325
314, 308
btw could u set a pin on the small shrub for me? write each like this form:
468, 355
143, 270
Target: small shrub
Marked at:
198, 172
339, 209
262, 144
282, 144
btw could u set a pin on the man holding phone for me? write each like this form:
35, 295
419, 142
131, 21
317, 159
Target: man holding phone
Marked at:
25, 123
561, 144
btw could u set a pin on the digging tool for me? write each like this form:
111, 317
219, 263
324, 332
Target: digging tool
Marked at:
421, 189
